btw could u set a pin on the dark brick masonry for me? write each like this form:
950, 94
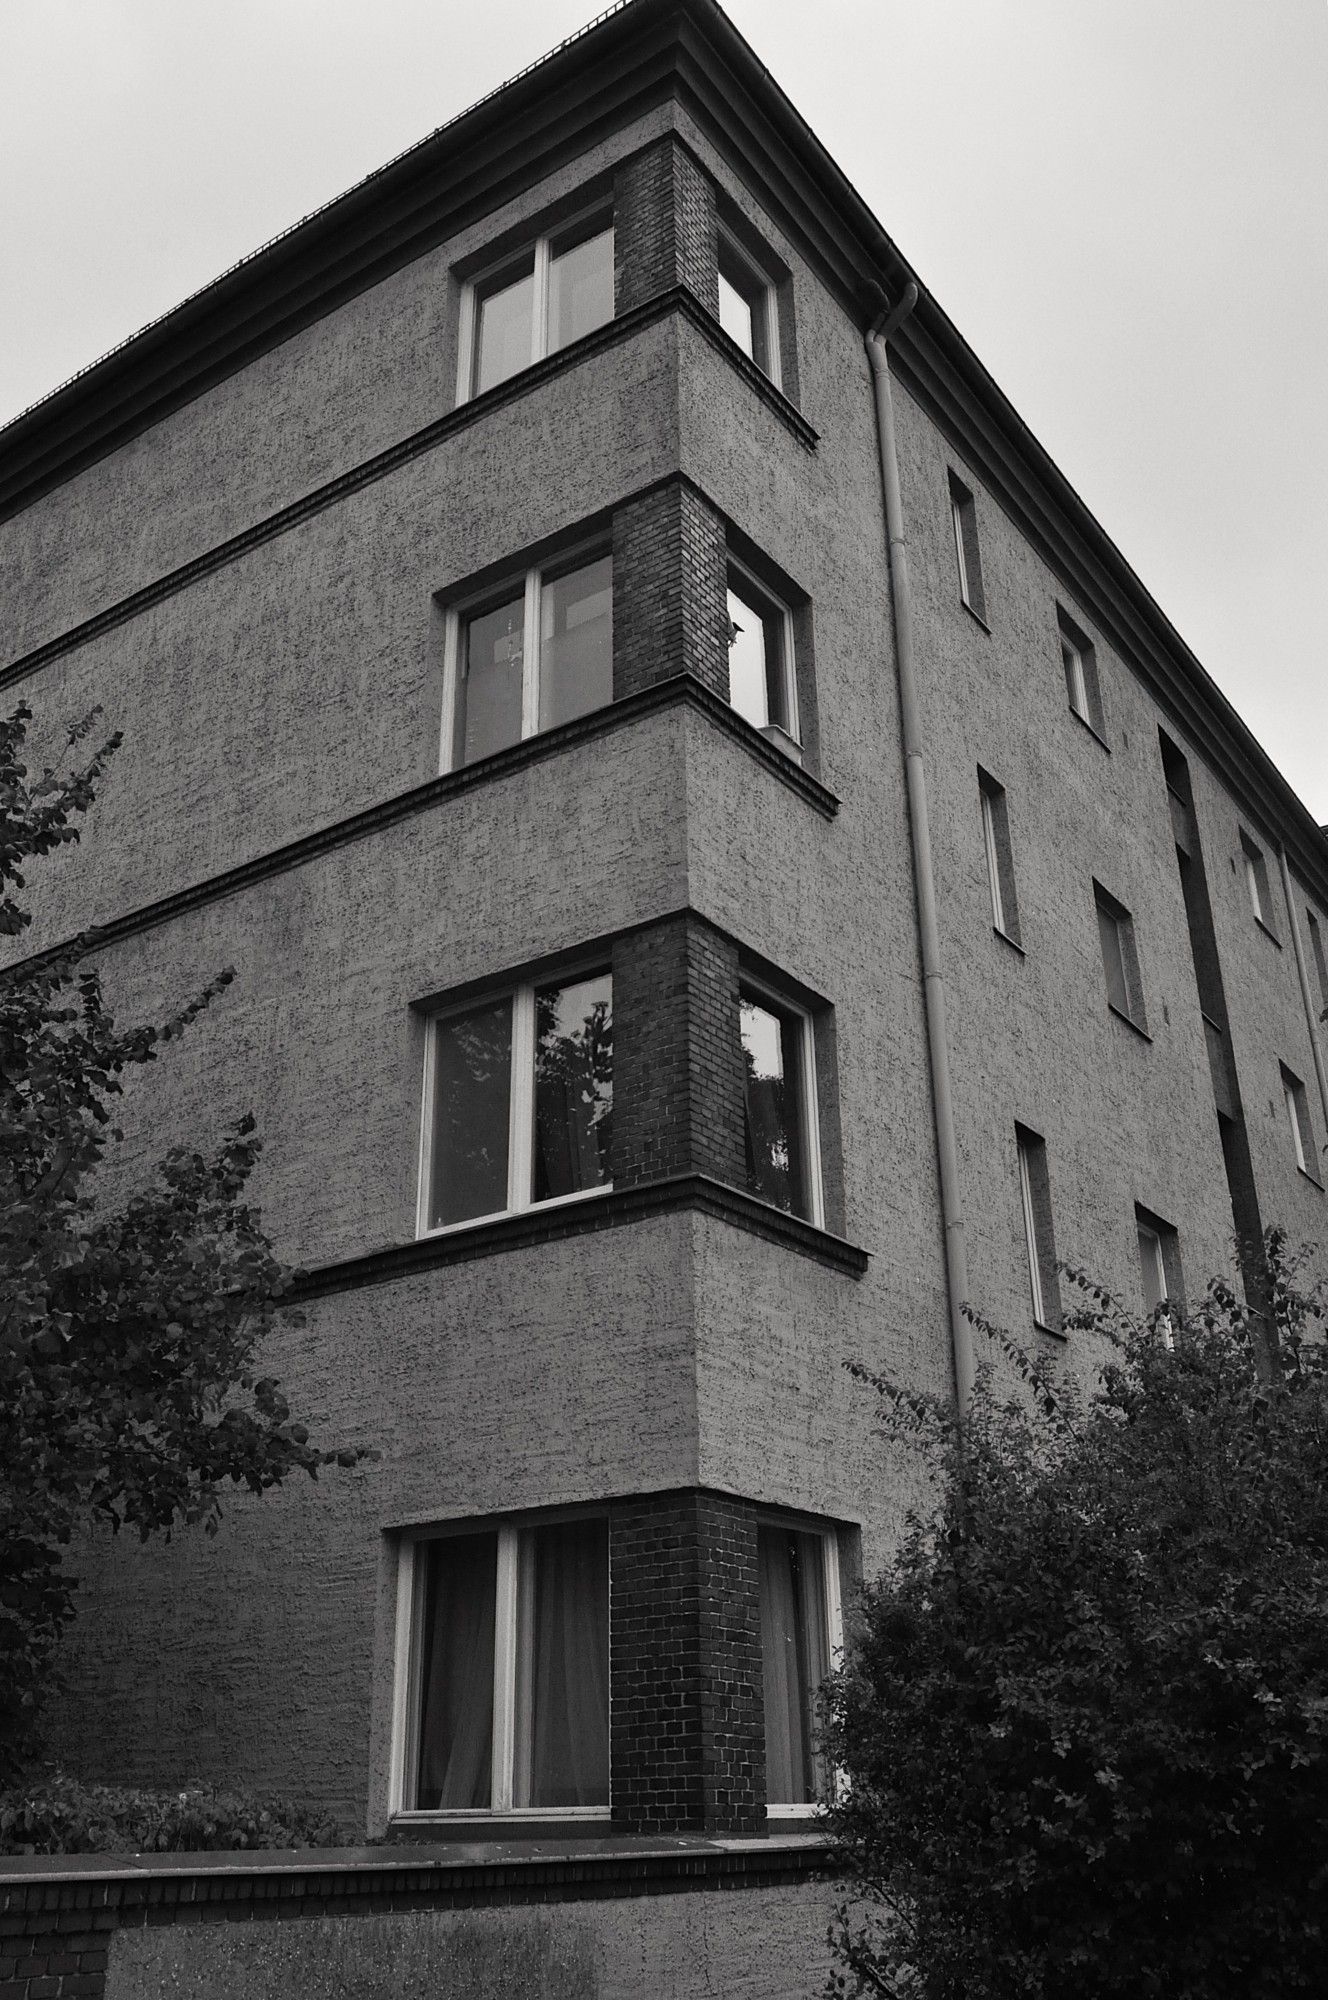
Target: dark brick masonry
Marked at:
670, 591
664, 227
688, 1729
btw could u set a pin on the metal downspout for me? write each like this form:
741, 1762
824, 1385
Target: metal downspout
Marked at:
938, 1046
1306, 998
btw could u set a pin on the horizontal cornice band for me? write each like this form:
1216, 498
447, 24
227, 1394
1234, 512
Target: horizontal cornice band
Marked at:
681, 1193
680, 690
677, 300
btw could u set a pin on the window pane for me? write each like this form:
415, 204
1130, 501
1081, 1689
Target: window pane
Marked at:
1113, 961
580, 288
1150, 1264
456, 1684
503, 328
795, 1659
562, 1711
472, 1083
573, 1086
735, 315
1074, 678
576, 643
772, 1107
488, 699
749, 663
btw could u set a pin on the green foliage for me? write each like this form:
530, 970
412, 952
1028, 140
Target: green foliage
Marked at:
1084, 1721
128, 1334
60, 1816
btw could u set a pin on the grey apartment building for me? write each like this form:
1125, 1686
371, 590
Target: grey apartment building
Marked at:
493, 580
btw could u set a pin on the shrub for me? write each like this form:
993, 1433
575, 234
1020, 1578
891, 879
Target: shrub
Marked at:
58, 1815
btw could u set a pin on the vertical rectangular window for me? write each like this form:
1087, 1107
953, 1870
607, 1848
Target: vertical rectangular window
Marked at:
1120, 959
509, 1671
1159, 1262
1298, 1116
1256, 883
747, 307
518, 1102
1079, 659
797, 1591
1000, 857
1320, 962
1039, 1237
534, 303
762, 681
779, 1107
968, 555
536, 655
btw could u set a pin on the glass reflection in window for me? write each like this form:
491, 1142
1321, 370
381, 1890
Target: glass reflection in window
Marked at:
490, 671
580, 288
795, 1658
774, 1119
576, 643
573, 1087
758, 666
472, 1080
504, 317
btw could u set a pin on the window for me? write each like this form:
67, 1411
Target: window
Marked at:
1079, 658
779, 1105
503, 1650
1035, 1198
1159, 1263
1000, 860
518, 1101
1120, 961
748, 307
964, 515
798, 1572
527, 657
1320, 963
762, 680
1256, 881
539, 300
1298, 1114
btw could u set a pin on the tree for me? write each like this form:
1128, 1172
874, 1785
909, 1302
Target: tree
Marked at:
1084, 1723
129, 1331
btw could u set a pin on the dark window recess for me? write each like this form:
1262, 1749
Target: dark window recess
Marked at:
1039, 1233
1320, 963
1079, 660
1120, 959
968, 554
1255, 865
999, 855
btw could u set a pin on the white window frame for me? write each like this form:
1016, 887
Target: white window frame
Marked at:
531, 582
520, 1106
993, 860
780, 1003
408, 1660
1292, 1092
1256, 880
762, 297
1073, 657
1030, 1235
834, 1627
468, 323
738, 578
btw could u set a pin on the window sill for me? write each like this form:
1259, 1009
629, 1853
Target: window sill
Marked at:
1268, 931
1052, 1332
976, 616
681, 1193
1129, 1021
1092, 729
1313, 1179
580, 1823
1005, 938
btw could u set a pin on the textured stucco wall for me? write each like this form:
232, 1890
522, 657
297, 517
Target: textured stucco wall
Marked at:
746, 1944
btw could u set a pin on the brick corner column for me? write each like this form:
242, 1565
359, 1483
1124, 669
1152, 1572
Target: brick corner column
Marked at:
670, 590
663, 227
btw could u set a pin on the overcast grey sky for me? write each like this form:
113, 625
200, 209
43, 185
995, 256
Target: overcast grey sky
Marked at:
1123, 204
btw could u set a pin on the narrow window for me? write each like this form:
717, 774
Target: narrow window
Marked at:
1035, 1198
1298, 1116
1320, 963
534, 303
968, 556
1256, 882
748, 307
1159, 1263
798, 1581
1120, 961
507, 1700
518, 1102
779, 1105
762, 679
1000, 859
1079, 659
536, 654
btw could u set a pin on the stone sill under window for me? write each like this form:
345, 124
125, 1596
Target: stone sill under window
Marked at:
1268, 930
1052, 1332
1093, 731
1129, 1021
681, 1193
976, 616
1313, 1179
1005, 938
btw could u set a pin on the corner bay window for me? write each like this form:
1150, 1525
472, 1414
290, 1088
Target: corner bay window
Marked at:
534, 303
508, 1650
518, 1101
762, 682
535, 654
779, 1105
799, 1589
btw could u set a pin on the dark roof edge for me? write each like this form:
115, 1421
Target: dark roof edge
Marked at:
610, 71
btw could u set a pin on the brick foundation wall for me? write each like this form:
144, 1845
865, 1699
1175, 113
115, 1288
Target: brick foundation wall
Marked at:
688, 1731
677, 1055
663, 228
670, 591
